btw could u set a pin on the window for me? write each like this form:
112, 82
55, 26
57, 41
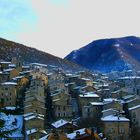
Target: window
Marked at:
134, 115
88, 114
134, 120
59, 115
114, 138
111, 130
88, 110
58, 107
68, 102
2, 100
19, 64
64, 108
122, 131
64, 114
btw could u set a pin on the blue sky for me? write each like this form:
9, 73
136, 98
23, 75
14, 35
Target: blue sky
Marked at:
14, 15
60, 26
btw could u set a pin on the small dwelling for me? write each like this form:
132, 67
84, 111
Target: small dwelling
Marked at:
64, 125
116, 127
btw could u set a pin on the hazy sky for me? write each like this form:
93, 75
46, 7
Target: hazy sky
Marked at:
60, 26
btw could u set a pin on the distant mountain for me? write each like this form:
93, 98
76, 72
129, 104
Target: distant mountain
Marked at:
106, 55
9, 49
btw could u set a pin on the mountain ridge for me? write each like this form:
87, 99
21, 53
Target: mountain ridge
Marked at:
106, 55
10, 49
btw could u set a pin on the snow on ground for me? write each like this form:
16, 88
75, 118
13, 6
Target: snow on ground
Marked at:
13, 122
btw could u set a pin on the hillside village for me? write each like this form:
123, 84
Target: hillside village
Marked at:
40, 102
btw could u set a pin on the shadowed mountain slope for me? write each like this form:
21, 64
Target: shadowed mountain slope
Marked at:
108, 55
9, 49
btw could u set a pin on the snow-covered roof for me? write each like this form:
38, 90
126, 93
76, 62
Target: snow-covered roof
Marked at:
74, 76
7, 70
44, 137
28, 114
34, 116
86, 79
34, 130
129, 101
106, 89
3, 62
73, 135
112, 118
26, 67
72, 83
18, 77
110, 99
1, 72
69, 74
53, 66
25, 72
129, 77
12, 65
9, 83
48, 74
128, 96
102, 85
10, 108
59, 123
96, 103
55, 100
84, 87
134, 107
39, 64
78, 87
89, 95
110, 109
116, 91
31, 131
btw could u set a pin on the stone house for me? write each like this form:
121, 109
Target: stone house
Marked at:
109, 111
34, 120
62, 105
35, 134
35, 108
87, 97
92, 110
8, 94
116, 127
134, 113
63, 125
4, 65
112, 103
